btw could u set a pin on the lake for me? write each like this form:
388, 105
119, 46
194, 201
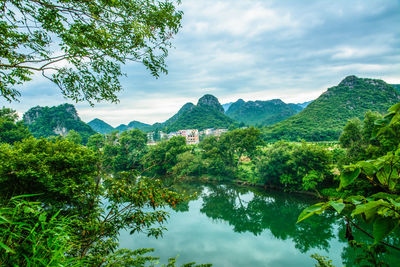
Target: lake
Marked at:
229, 225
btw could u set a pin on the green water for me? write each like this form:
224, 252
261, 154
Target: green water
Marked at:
238, 226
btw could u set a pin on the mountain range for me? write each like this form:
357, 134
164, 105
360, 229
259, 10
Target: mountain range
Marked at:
321, 119
262, 112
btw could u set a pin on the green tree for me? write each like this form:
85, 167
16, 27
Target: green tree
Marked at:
66, 179
79, 45
379, 206
74, 137
161, 158
11, 130
124, 151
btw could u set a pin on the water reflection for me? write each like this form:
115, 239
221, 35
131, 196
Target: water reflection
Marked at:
237, 226
251, 211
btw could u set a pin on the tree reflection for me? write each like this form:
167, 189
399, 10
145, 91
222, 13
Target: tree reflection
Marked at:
249, 211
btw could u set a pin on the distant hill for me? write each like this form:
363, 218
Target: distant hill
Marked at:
100, 126
53, 121
326, 116
262, 112
208, 113
304, 104
226, 106
134, 125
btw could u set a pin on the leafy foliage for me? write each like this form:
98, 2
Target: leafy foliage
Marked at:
382, 207
31, 236
325, 117
80, 45
11, 130
296, 166
124, 151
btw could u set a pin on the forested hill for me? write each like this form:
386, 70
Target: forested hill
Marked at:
134, 125
208, 113
326, 116
261, 112
53, 121
100, 126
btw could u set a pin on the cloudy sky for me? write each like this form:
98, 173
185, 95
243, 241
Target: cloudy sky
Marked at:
254, 50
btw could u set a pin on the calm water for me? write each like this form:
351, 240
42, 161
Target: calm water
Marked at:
237, 226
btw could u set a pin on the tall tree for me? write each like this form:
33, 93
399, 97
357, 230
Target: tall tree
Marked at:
80, 45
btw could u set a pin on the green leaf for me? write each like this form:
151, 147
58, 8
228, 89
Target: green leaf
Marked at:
42, 217
383, 227
368, 168
348, 177
337, 205
7, 249
314, 209
368, 206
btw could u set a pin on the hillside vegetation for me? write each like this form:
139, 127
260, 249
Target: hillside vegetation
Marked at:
58, 120
100, 126
261, 112
326, 116
208, 113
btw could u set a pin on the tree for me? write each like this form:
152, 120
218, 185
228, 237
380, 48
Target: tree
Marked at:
381, 205
162, 157
11, 130
80, 45
74, 137
124, 151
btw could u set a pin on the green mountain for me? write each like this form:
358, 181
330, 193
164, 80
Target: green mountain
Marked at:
53, 121
208, 113
185, 108
326, 116
100, 126
262, 112
134, 125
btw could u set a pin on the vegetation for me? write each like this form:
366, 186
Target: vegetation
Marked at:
100, 126
325, 117
80, 45
261, 112
208, 113
377, 174
296, 167
134, 125
53, 121
11, 130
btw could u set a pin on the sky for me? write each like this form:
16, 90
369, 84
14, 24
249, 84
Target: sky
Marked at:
250, 49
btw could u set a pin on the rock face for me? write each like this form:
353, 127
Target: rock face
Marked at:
211, 102
325, 117
59, 120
